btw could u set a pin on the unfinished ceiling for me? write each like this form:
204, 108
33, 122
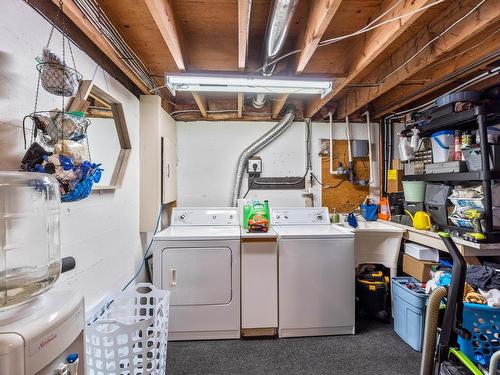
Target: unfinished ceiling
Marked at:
383, 69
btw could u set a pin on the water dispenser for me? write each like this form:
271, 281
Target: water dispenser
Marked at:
30, 260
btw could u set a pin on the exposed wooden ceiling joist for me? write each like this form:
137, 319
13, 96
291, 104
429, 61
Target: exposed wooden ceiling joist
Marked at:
201, 102
222, 36
241, 99
75, 15
424, 49
244, 10
277, 104
162, 12
374, 44
484, 51
321, 13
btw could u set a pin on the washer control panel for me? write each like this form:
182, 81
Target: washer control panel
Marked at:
300, 215
204, 216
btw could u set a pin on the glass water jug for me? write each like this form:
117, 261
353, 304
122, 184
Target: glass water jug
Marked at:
30, 260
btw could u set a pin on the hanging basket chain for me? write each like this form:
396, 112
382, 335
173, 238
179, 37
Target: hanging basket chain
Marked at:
59, 130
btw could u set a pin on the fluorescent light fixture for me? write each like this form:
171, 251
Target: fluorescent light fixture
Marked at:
246, 84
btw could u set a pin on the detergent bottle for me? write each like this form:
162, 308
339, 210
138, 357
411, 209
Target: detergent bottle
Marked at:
256, 216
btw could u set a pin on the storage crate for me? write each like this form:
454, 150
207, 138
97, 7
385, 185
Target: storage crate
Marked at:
128, 336
409, 312
483, 322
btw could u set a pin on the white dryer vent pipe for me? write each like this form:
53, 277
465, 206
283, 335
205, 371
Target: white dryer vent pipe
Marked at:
255, 147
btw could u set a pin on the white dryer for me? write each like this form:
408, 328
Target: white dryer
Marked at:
316, 282
198, 259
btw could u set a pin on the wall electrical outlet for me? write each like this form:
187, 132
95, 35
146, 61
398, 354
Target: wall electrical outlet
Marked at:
254, 166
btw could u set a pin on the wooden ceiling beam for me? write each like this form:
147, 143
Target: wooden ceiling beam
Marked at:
277, 105
77, 17
404, 62
162, 12
202, 103
321, 13
373, 45
244, 10
241, 99
460, 64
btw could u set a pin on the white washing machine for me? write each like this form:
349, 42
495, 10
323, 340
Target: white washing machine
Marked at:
316, 282
198, 259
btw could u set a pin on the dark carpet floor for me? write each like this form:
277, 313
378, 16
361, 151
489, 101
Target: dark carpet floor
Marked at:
375, 349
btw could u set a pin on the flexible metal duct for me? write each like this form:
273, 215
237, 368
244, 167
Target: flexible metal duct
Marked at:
431, 323
255, 147
278, 24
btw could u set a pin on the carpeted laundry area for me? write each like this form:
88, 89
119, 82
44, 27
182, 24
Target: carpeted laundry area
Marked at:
375, 349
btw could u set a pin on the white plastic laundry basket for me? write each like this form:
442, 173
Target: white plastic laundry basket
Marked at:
129, 335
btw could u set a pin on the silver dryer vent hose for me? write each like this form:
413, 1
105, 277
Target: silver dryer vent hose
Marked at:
255, 147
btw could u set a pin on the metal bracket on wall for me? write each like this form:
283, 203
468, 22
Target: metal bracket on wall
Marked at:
277, 183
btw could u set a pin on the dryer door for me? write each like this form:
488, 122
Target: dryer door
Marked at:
198, 275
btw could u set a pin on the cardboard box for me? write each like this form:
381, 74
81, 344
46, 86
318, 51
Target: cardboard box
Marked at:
419, 269
394, 180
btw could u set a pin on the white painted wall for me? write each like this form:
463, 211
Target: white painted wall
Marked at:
102, 231
208, 152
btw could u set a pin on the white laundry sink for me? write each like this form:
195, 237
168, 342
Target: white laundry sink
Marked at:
372, 226
376, 243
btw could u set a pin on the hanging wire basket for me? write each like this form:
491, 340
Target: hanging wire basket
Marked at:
59, 79
56, 144
57, 125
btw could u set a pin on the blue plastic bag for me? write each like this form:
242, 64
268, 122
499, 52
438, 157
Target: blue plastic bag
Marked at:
369, 211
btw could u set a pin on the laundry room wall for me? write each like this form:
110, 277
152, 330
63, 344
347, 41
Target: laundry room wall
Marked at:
102, 231
208, 152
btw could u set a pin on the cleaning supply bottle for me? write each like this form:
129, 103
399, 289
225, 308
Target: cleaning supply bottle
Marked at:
385, 211
334, 216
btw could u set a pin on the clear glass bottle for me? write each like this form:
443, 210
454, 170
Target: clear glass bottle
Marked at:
30, 261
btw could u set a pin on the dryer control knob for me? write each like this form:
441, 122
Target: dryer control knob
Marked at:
183, 216
319, 217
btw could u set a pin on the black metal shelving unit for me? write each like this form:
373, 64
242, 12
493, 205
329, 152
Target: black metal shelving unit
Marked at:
479, 117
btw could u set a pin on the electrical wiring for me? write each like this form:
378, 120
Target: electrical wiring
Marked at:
365, 29
181, 112
325, 186
250, 185
433, 40
308, 165
466, 50
146, 253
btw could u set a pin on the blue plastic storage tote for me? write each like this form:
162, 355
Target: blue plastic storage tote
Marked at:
408, 309
483, 322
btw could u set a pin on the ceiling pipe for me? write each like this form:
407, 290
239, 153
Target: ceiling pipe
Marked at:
278, 25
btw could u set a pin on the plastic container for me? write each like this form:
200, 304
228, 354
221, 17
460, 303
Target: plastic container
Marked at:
409, 312
129, 336
30, 260
441, 142
414, 191
483, 322
472, 158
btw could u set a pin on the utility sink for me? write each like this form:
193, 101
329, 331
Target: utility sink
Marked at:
376, 243
372, 226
